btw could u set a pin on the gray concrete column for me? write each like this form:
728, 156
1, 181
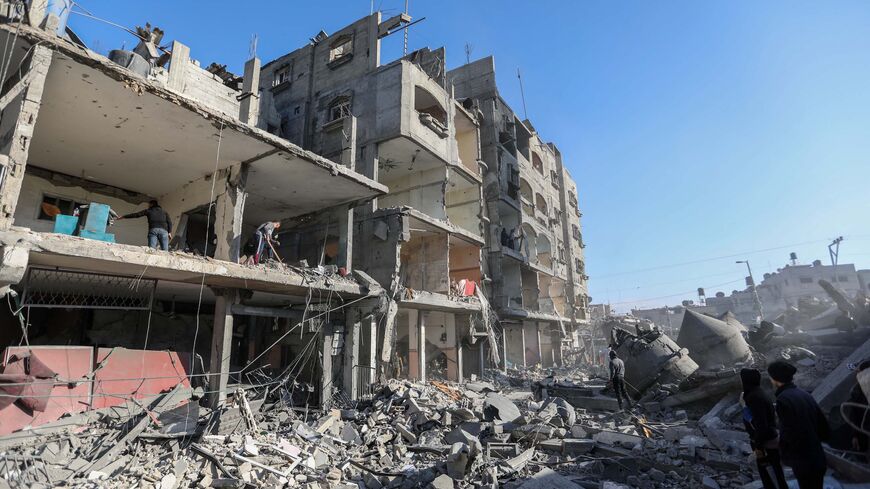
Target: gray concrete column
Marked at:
460, 368
229, 211
345, 238
326, 387
221, 345
178, 62
504, 350
352, 329
250, 103
20, 107
421, 345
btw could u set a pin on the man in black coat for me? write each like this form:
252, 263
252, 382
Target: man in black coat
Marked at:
759, 418
802, 428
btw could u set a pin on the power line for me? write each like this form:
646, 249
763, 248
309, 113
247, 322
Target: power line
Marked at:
635, 301
703, 260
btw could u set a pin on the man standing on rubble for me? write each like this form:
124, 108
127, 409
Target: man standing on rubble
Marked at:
266, 241
802, 428
617, 379
759, 418
159, 225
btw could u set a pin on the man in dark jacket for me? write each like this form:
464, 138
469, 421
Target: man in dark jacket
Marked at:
617, 379
759, 418
802, 428
159, 225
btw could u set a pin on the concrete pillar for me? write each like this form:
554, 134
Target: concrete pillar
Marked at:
229, 211
351, 374
374, 47
504, 350
523, 338
345, 238
178, 67
20, 108
250, 104
348, 142
221, 345
327, 337
538, 341
460, 368
450, 350
421, 345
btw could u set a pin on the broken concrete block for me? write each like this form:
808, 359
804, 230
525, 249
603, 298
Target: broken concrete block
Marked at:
547, 479
613, 437
406, 434
563, 408
457, 461
443, 481
532, 433
497, 406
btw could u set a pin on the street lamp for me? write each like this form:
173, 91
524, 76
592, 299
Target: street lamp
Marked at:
754, 289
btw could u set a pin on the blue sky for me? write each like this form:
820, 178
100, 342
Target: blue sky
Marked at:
699, 132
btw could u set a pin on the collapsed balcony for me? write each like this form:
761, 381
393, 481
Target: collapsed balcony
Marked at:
208, 171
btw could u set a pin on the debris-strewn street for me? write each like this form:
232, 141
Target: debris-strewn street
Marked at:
360, 262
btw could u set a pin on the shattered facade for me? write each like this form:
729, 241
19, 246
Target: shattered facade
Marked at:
535, 244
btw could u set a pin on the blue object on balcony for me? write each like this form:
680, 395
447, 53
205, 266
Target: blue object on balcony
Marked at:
96, 222
65, 224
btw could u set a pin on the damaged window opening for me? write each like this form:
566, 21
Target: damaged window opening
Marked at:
52, 206
339, 109
430, 110
340, 49
282, 76
537, 163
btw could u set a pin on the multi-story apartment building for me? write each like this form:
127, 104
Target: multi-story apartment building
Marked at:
82, 131
399, 124
534, 241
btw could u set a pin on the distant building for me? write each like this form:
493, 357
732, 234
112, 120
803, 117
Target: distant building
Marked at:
599, 311
787, 286
669, 318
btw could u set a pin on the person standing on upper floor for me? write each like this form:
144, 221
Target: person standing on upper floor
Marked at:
159, 225
802, 428
759, 418
617, 379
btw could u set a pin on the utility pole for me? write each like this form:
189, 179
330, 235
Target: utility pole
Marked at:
754, 290
468, 49
834, 250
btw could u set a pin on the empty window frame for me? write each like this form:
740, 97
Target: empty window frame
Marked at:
340, 48
53, 205
282, 76
339, 109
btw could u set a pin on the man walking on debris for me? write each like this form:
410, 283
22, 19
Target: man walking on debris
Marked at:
159, 225
802, 428
759, 418
617, 379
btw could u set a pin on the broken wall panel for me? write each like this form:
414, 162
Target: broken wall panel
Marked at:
71, 363
123, 374
425, 262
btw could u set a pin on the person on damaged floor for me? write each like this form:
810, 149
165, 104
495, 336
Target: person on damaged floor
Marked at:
159, 225
802, 428
759, 417
617, 379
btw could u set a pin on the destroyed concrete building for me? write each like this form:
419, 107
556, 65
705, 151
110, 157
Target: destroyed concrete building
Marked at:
398, 124
169, 130
535, 243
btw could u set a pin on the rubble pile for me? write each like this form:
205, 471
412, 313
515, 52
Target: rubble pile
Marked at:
411, 435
